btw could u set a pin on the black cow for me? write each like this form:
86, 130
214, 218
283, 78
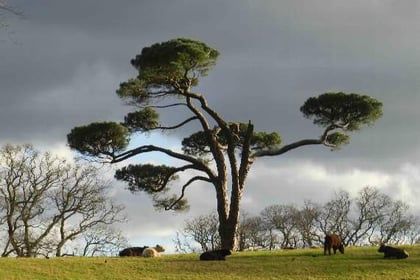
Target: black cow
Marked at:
333, 241
132, 251
391, 252
216, 255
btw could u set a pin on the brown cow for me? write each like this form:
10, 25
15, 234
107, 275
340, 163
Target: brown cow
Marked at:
333, 241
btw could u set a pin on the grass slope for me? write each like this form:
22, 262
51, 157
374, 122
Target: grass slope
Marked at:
356, 263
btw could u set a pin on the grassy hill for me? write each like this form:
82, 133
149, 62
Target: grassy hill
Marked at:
356, 263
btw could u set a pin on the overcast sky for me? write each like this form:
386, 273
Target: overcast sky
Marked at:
62, 62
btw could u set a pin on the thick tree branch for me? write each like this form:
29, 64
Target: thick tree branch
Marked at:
184, 187
215, 147
278, 151
323, 140
203, 102
211, 137
177, 125
245, 157
198, 165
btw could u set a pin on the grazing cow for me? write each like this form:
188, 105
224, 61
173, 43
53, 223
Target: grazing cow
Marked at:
216, 255
153, 251
132, 252
391, 252
333, 241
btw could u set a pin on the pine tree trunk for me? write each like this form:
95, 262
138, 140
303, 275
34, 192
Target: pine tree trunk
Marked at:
229, 213
227, 225
227, 235
229, 218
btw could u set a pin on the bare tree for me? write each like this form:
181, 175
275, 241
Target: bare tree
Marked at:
253, 233
395, 223
335, 216
369, 218
203, 230
42, 195
25, 180
283, 218
371, 207
306, 224
103, 240
82, 203
184, 243
412, 234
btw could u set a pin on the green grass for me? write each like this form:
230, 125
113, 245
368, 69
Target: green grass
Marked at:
356, 263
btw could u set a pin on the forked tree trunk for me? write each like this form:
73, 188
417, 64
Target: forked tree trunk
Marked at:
229, 213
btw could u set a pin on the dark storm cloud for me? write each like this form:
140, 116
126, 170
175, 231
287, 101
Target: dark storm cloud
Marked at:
69, 58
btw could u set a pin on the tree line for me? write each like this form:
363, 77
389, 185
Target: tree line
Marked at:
47, 202
369, 218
